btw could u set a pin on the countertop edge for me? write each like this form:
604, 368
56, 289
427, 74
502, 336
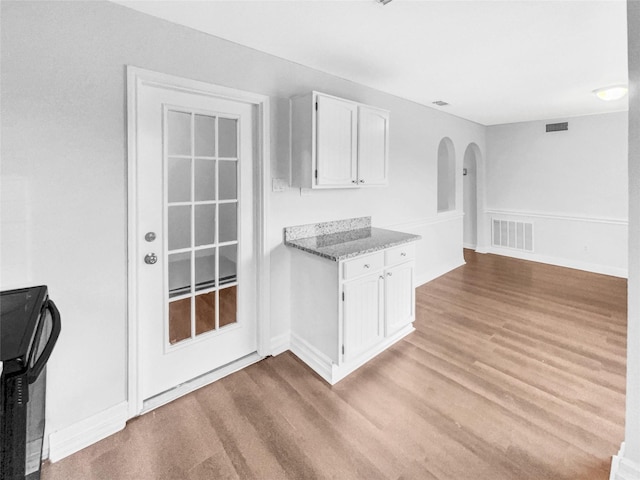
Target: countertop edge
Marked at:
338, 258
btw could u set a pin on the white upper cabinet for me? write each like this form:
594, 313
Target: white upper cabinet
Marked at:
373, 136
337, 143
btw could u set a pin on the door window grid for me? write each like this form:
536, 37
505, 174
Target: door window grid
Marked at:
205, 294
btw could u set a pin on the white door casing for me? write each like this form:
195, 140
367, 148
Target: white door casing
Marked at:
156, 362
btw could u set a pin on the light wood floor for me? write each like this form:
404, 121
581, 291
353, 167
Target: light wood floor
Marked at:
516, 371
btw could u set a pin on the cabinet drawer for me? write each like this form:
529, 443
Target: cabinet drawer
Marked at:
361, 265
399, 254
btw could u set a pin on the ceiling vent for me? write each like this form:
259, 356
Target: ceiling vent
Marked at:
440, 103
557, 127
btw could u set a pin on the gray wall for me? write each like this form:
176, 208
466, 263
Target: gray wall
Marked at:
64, 175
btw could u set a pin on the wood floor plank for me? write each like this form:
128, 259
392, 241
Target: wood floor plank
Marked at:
516, 371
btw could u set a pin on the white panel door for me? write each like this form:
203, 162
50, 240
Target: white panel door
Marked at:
373, 140
197, 281
336, 143
363, 312
399, 299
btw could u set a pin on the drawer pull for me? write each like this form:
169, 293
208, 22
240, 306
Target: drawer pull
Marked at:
366, 265
403, 254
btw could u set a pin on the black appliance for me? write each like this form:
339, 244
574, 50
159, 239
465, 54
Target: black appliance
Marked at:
29, 328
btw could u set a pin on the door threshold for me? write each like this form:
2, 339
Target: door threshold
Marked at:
198, 382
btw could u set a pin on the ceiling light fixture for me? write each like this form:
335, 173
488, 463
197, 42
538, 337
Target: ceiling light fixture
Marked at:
383, 2
614, 92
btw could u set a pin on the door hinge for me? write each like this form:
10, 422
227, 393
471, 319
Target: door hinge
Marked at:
343, 301
343, 349
316, 173
316, 106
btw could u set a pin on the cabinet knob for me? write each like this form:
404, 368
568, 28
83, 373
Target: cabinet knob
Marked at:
403, 254
361, 181
389, 274
366, 265
354, 181
381, 277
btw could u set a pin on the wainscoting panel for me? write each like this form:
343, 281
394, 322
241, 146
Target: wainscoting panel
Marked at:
592, 244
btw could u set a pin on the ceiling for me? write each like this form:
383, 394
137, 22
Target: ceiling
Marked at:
493, 61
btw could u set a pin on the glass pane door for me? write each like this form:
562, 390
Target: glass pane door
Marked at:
201, 215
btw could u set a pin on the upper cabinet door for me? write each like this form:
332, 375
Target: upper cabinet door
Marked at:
373, 146
336, 142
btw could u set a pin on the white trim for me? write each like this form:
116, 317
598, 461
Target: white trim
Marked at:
560, 262
469, 246
622, 468
310, 355
86, 432
558, 216
135, 77
426, 221
333, 373
199, 382
280, 344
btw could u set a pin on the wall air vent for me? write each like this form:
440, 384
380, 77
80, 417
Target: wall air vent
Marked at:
557, 127
440, 103
510, 234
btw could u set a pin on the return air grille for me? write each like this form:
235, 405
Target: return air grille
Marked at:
557, 127
511, 234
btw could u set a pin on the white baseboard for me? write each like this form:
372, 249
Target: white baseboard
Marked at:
318, 362
469, 246
561, 262
623, 468
434, 273
63, 443
331, 372
280, 344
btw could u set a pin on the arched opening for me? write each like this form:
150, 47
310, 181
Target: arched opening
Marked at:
446, 176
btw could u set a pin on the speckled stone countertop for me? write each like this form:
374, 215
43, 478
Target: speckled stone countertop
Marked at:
344, 239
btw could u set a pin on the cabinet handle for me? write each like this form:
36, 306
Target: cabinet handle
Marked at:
366, 265
402, 254
389, 274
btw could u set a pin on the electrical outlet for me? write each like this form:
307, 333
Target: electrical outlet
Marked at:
279, 184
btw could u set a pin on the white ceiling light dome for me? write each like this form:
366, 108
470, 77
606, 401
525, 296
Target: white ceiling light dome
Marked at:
614, 92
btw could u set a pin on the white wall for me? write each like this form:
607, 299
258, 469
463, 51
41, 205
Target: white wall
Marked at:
64, 145
572, 185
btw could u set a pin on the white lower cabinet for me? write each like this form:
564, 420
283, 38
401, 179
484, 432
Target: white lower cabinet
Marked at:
345, 313
363, 315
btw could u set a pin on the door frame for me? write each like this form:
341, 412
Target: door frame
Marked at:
136, 77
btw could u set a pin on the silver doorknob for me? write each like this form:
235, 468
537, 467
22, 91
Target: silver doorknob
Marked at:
150, 236
150, 258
